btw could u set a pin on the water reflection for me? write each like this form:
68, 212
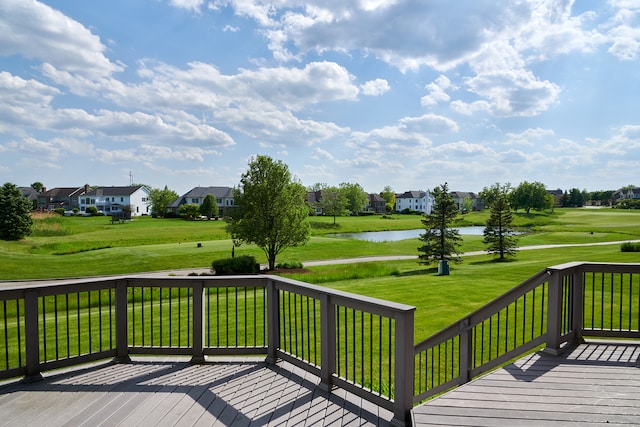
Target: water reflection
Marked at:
392, 236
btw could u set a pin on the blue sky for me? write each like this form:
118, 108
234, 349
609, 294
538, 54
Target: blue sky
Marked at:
404, 93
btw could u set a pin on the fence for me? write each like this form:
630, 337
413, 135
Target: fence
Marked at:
349, 341
558, 305
361, 344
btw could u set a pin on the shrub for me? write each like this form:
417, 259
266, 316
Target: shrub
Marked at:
244, 264
92, 210
289, 265
59, 211
630, 247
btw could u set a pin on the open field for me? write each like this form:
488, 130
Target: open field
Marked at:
78, 246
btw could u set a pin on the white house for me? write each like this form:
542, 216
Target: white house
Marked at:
118, 200
421, 201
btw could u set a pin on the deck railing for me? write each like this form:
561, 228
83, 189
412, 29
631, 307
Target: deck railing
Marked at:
560, 304
361, 344
350, 341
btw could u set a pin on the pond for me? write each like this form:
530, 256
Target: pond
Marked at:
392, 236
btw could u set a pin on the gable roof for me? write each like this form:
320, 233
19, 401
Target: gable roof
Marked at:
463, 194
114, 191
29, 193
63, 192
411, 195
201, 192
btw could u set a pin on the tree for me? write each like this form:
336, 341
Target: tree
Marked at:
333, 202
189, 211
499, 233
531, 195
440, 241
15, 213
209, 206
489, 194
357, 198
389, 197
159, 199
272, 209
38, 186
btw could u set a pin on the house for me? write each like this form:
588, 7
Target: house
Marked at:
313, 198
67, 198
461, 196
627, 194
133, 200
223, 195
421, 201
376, 204
30, 194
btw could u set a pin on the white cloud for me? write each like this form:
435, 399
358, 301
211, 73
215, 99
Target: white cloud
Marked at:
35, 30
193, 5
375, 87
437, 91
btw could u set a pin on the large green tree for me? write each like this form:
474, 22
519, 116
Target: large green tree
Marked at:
389, 197
333, 202
499, 233
531, 195
440, 242
357, 198
15, 213
209, 206
160, 199
272, 209
489, 194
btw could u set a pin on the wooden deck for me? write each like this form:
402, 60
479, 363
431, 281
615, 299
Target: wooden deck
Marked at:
152, 392
591, 385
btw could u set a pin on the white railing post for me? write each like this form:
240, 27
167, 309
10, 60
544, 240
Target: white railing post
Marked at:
122, 327
403, 369
32, 339
198, 322
327, 341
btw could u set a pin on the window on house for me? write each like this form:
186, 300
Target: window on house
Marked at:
122, 199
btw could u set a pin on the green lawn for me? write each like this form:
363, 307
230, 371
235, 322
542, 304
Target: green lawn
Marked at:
89, 246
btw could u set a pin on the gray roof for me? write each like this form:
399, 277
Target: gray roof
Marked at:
463, 194
411, 195
200, 193
114, 191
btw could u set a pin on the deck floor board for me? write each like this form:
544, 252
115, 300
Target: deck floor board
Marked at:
591, 384
163, 392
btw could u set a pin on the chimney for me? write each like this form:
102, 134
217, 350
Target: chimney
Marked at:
87, 188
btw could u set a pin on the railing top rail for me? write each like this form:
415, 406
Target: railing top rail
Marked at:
483, 312
602, 267
359, 300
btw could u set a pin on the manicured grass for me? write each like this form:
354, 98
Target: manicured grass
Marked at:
89, 246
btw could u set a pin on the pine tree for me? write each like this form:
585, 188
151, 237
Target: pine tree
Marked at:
440, 241
15, 213
499, 233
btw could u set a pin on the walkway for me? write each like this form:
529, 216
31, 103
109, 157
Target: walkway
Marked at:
593, 384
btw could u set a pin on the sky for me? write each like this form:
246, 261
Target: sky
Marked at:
408, 94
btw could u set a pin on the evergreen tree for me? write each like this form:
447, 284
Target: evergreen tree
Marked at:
440, 241
15, 213
209, 206
499, 233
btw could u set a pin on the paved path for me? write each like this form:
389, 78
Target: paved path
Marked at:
187, 271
